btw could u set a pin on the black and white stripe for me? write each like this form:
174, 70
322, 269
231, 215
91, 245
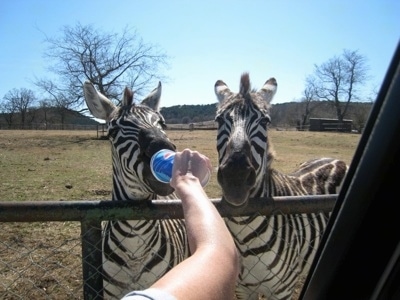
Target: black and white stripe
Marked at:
136, 253
275, 250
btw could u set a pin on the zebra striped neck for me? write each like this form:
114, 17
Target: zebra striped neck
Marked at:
314, 177
264, 174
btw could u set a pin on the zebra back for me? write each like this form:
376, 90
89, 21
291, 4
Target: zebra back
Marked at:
278, 249
136, 253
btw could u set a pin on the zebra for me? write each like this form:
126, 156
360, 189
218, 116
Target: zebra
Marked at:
275, 250
136, 253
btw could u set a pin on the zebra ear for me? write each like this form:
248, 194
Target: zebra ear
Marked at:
98, 104
153, 99
221, 90
268, 90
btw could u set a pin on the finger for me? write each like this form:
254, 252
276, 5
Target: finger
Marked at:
189, 165
186, 161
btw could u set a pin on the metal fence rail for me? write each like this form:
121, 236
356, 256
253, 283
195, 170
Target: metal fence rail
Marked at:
90, 214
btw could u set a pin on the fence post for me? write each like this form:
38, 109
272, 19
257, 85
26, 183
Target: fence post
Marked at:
92, 259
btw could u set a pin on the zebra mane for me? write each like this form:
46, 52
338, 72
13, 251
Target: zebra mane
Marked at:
246, 91
245, 85
127, 98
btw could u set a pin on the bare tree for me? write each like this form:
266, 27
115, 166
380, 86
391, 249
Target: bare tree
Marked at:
337, 80
18, 101
309, 102
57, 97
110, 61
308, 97
44, 106
9, 111
360, 113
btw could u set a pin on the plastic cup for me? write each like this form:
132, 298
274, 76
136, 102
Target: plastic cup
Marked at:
161, 165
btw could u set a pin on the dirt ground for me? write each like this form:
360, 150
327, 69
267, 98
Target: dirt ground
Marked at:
41, 261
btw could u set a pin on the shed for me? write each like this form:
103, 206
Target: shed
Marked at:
323, 124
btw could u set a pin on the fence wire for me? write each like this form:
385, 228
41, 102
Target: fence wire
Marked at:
52, 250
41, 261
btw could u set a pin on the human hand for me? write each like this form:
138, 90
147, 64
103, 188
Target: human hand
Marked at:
190, 163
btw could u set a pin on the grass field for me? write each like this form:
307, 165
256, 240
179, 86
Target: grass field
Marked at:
75, 165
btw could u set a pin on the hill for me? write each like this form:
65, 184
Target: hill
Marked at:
289, 114
185, 114
45, 118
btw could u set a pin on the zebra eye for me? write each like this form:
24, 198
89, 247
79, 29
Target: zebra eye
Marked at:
265, 120
219, 119
161, 121
162, 124
112, 132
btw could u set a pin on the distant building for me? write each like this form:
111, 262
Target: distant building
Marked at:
321, 124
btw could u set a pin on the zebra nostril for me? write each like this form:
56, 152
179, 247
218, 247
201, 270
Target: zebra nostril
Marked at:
158, 145
152, 140
251, 179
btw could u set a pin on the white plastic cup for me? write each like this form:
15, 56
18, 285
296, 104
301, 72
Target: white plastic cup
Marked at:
161, 165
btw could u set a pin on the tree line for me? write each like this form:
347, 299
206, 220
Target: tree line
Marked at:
114, 60
283, 115
289, 114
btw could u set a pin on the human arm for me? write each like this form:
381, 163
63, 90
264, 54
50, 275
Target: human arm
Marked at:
212, 269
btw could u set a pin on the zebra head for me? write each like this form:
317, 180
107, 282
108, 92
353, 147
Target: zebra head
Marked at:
242, 143
136, 133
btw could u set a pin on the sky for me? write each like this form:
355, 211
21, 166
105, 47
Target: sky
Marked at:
210, 40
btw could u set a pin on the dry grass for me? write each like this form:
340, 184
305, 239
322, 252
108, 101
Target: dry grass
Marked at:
294, 147
75, 165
